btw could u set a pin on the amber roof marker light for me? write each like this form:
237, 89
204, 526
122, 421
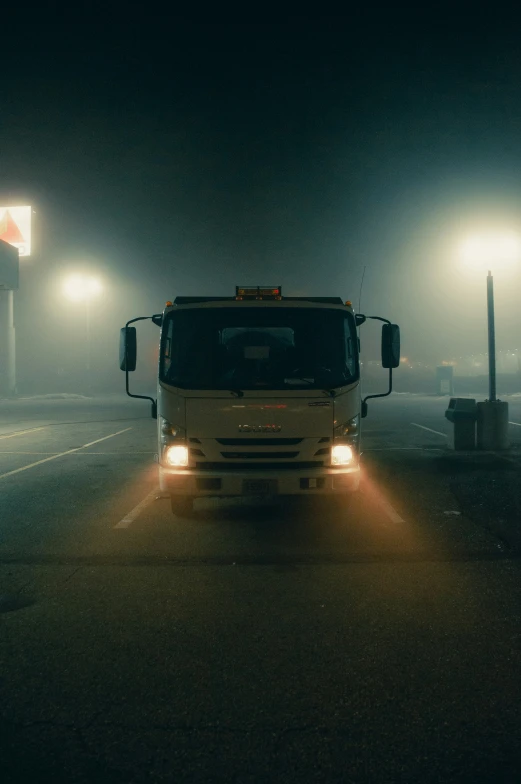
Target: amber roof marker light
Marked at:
258, 292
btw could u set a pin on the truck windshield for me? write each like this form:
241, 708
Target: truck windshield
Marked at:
258, 348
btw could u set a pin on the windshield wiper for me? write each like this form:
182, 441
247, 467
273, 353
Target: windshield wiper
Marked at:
328, 392
237, 392
299, 378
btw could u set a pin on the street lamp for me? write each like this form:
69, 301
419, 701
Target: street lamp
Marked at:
83, 288
497, 250
483, 252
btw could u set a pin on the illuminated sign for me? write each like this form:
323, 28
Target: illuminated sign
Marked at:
15, 228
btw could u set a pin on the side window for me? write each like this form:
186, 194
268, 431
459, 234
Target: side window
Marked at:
350, 348
167, 359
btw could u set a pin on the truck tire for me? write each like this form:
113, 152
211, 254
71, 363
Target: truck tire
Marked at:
182, 505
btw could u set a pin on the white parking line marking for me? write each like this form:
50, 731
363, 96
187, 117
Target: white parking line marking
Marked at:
80, 454
377, 496
61, 454
515, 423
374, 494
430, 429
119, 452
136, 511
22, 432
390, 511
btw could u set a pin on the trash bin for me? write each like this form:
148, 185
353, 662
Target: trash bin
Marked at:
463, 413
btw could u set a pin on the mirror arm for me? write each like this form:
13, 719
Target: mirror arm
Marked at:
382, 394
379, 318
130, 394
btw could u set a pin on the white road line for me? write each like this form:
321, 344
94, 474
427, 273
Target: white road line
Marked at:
390, 511
515, 423
376, 494
429, 429
77, 454
119, 452
22, 432
136, 511
20, 452
373, 493
61, 454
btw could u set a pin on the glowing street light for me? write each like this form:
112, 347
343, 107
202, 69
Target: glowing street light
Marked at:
482, 251
83, 288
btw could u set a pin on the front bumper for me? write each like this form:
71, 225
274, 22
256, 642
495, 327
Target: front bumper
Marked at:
198, 483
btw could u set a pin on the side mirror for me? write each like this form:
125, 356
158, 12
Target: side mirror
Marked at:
127, 348
390, 345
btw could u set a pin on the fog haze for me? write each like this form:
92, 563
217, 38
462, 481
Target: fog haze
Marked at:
300, 155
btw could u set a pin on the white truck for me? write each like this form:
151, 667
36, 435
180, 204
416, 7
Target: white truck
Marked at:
258, 394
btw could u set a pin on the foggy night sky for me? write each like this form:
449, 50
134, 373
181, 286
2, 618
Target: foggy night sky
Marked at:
182, 159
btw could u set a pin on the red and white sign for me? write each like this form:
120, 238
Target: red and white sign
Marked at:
15, 228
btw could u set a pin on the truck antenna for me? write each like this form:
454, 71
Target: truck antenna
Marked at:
360, 294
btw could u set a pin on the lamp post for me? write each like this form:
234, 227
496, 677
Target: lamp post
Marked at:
84, 288
500, 251
491, 339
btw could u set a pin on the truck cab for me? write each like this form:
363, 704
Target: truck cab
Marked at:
258, 394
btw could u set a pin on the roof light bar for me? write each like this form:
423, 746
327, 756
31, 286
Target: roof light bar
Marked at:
258, 292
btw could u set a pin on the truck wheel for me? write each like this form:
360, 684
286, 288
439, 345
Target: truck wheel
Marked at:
182, 505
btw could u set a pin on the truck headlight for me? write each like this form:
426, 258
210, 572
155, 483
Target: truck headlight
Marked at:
342, 454
176, 456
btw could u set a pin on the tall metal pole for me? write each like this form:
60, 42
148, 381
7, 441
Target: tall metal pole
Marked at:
11, 346
88, 377
7, 344
491, 340
87, 334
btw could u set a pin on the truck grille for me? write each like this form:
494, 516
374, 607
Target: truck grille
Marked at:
259, 441
260, 455
265, 466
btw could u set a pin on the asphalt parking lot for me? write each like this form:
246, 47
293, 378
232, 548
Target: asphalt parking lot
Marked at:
259, 639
